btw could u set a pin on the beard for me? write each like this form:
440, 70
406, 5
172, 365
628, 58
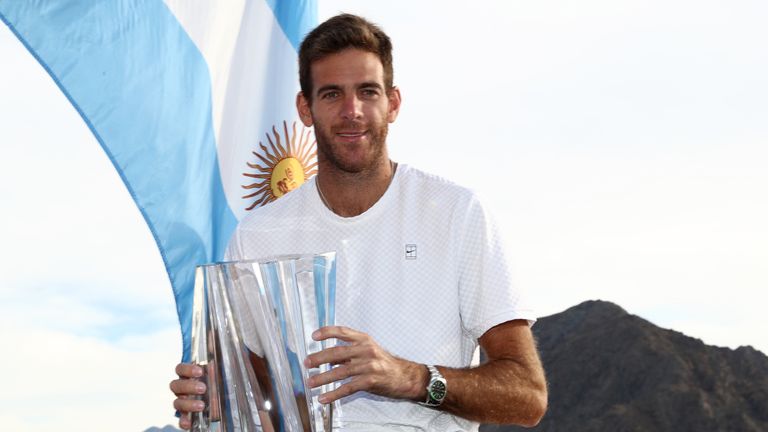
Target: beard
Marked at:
334, 152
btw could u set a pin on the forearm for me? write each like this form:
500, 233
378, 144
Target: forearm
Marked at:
500, 391
509, 388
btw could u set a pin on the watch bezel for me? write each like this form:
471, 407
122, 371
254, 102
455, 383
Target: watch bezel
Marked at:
436, 387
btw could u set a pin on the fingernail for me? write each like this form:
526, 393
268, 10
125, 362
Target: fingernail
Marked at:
322, 399
315, 334
307, 362
200, 388
199, 405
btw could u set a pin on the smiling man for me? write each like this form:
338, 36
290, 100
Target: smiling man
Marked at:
422, 276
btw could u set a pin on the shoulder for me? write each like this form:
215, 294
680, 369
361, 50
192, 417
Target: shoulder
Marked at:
294, 203
266, 229
463, 206
432, 186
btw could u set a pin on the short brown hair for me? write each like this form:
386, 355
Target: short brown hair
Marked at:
337, 34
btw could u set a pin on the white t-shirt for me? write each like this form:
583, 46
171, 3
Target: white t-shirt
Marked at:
423, 272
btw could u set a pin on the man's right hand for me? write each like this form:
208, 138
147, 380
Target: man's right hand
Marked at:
186, 389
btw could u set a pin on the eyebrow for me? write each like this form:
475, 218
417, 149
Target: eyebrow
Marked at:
328, 87
369, 84
366, 84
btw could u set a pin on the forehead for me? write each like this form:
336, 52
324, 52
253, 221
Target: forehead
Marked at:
347, 68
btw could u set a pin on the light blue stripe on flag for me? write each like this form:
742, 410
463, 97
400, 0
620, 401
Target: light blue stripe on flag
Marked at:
144, 90
296, 18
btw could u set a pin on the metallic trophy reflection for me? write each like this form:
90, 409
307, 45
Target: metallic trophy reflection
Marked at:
251, 330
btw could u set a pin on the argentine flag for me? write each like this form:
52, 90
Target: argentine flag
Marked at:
193, 101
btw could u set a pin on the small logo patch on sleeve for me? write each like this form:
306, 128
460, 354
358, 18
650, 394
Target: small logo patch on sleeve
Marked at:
410, 251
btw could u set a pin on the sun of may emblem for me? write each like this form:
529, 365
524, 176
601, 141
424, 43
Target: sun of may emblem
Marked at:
282, 166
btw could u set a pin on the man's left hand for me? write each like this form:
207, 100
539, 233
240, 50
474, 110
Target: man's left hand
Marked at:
369, 367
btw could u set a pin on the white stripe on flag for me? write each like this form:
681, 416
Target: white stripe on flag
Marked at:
254, 74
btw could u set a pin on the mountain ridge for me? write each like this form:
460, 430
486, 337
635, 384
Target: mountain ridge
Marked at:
611, 370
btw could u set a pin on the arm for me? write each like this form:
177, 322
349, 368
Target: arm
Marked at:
508, 388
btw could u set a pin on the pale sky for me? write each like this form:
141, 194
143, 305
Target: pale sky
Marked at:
622, 146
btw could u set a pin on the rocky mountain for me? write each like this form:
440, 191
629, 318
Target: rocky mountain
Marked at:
609, 370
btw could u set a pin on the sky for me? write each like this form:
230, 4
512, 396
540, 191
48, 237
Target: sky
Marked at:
621, 145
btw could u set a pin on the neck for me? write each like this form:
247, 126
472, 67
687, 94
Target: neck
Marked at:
351, 194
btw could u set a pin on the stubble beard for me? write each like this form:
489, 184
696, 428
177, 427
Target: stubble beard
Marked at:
330, 152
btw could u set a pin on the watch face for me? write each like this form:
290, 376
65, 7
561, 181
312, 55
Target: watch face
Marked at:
437, 390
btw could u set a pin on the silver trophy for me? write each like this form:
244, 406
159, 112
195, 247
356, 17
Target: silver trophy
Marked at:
251, 330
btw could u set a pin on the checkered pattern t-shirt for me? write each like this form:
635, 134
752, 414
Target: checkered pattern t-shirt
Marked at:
423, 272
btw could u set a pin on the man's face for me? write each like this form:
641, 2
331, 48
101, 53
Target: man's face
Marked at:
350, 109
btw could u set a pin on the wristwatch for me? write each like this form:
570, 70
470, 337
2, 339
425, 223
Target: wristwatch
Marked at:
436, 388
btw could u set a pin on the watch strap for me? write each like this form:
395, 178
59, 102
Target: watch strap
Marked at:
436, 388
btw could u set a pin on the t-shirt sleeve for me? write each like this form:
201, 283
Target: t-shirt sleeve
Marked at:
487, 295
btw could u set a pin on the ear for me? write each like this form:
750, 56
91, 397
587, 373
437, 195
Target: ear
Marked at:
394, 104
302, 106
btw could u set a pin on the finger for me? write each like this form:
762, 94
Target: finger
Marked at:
339, 363
185, 422
187, 387
339, 332
336, 374
188, 405
351, 387
189, 370
334, 355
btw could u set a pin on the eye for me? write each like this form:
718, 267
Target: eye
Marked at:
329, 95
370, 93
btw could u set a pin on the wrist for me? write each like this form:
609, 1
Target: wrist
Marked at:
417, 391
436, 389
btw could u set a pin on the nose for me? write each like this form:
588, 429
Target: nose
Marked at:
351, 108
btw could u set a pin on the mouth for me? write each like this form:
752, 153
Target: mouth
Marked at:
351, 134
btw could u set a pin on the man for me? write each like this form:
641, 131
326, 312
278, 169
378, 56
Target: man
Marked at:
422, 277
